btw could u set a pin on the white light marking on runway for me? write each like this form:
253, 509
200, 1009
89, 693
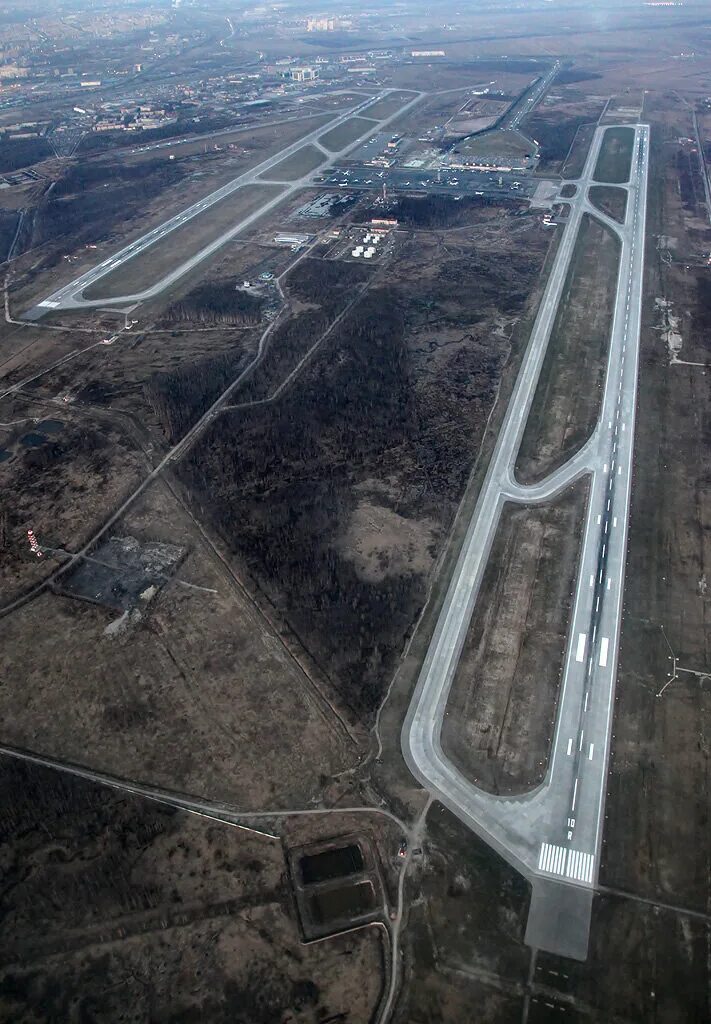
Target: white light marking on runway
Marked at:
580, 865
581, 647
604, 645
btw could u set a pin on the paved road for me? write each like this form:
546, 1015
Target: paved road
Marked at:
523, 109
553, 834
70, 295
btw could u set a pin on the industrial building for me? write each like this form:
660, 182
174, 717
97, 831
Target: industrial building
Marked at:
303, 74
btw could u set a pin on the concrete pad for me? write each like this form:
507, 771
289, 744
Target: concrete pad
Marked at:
544, 195
559, 918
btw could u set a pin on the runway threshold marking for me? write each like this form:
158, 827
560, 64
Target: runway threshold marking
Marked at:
566, 863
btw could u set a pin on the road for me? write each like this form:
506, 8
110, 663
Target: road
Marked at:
553, 834
524, 107
70, 295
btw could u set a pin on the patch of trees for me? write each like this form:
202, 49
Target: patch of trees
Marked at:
101, 142
515, 67
276, 482
554, 137
280, 482
571, 75
82, 177
180, 396
326, 284
216, 302
687, 180
90, 215
702, 314
435, 211
325, 281
18, 153
9, 220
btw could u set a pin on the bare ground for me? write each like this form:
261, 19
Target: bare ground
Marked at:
200, 695
119, 909
501, 711
567, 400
660, 780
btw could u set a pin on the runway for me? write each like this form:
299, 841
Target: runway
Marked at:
553, 835
70, 295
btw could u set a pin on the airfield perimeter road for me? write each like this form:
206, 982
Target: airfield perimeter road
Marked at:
70, 295
553, 834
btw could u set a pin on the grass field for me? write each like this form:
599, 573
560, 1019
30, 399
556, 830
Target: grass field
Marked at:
255, 142
501, 710
345, 133
614, 161
566, 404
497, 145
295, 166
575, 160
160, 259
388, 105
611, 200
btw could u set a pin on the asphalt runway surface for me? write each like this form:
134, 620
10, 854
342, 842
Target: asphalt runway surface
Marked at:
553, 834
70, 295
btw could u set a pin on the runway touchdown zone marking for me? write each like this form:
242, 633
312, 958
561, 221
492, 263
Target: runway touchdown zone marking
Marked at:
558, 860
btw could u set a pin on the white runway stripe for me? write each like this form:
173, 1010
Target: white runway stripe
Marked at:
580, 866
557, 860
